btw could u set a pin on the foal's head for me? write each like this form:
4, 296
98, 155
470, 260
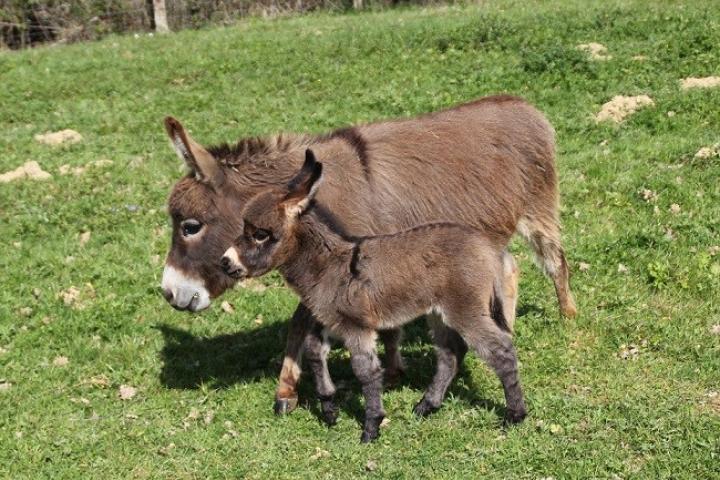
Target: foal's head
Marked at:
269, 224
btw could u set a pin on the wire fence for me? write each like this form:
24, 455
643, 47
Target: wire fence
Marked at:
25, 23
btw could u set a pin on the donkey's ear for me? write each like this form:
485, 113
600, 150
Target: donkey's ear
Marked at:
303, 186
203, 165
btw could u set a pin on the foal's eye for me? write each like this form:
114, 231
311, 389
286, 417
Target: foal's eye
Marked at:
190, 227
260, 235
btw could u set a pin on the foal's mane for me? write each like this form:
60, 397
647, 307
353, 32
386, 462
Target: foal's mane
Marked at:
258, 149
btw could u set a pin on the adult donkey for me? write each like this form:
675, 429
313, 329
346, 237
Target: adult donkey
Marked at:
489, 163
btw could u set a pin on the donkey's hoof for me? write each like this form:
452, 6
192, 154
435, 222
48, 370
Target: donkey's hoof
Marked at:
424, 408
371, 429
514, 416
569, 310
283, 406
368, 437
330, 418
329, 411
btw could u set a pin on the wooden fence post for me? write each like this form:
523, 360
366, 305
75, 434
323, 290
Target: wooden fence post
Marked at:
160, 16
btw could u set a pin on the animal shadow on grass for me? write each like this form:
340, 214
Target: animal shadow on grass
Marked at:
190, 361
530, 309
221, 361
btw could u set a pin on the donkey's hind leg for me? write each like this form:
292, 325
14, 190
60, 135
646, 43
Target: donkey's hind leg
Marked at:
366, 367
541, 230
508, 288
494, 345
450, 350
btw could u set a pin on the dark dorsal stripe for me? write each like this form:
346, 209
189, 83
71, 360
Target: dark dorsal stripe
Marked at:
352, 136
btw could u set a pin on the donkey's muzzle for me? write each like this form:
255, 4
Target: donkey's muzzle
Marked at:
191, 303
184, 292
230, 263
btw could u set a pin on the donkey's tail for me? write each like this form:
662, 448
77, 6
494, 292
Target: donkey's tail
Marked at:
505, 290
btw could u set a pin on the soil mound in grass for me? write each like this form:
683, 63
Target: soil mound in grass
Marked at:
620, 107
704, 82
31, 170
57, 138
596, 51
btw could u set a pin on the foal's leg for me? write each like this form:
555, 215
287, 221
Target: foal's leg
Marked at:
286, 397
450, 350
394, 365
366, 367
317, 348
495, 346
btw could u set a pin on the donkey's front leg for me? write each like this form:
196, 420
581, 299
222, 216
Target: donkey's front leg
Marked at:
394, 365
317, 348
286, 397
366, 367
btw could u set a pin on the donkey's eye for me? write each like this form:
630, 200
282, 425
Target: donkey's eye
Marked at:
260, 235
190, 227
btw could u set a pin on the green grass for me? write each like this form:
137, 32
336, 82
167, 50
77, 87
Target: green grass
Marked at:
593, 414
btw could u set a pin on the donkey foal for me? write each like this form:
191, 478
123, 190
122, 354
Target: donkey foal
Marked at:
356, 287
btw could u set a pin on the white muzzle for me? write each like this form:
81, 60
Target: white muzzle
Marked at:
184, 292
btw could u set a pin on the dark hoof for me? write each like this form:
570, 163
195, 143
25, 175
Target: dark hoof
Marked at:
424, 408
329, 411
512, 417
371, 429
283, 406
330, 418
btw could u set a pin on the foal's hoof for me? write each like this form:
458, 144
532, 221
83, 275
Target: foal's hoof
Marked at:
330, 417
371, 429
514, 416
283, 406
424, 408
329, 411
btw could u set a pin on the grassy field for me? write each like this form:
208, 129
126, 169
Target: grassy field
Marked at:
628, 389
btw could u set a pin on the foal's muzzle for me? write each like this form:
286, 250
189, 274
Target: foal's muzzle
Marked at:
232, 265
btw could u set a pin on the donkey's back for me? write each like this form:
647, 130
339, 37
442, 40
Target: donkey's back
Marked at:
489, 164
480, 163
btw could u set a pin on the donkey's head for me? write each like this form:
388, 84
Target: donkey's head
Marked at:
269, 224
204, 210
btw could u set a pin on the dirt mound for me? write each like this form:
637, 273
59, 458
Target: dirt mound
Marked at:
708, 152
30, 170
621, 107
58, 138
704, 82
596, 51
77, 171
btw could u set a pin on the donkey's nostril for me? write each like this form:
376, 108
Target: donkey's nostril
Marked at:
168, 294
225, 262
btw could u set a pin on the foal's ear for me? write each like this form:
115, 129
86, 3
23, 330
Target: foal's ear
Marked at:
303, 186
203, 165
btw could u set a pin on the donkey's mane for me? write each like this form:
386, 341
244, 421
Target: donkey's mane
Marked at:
254, 149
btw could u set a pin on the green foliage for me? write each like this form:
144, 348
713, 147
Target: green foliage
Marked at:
556, 58
628, 389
